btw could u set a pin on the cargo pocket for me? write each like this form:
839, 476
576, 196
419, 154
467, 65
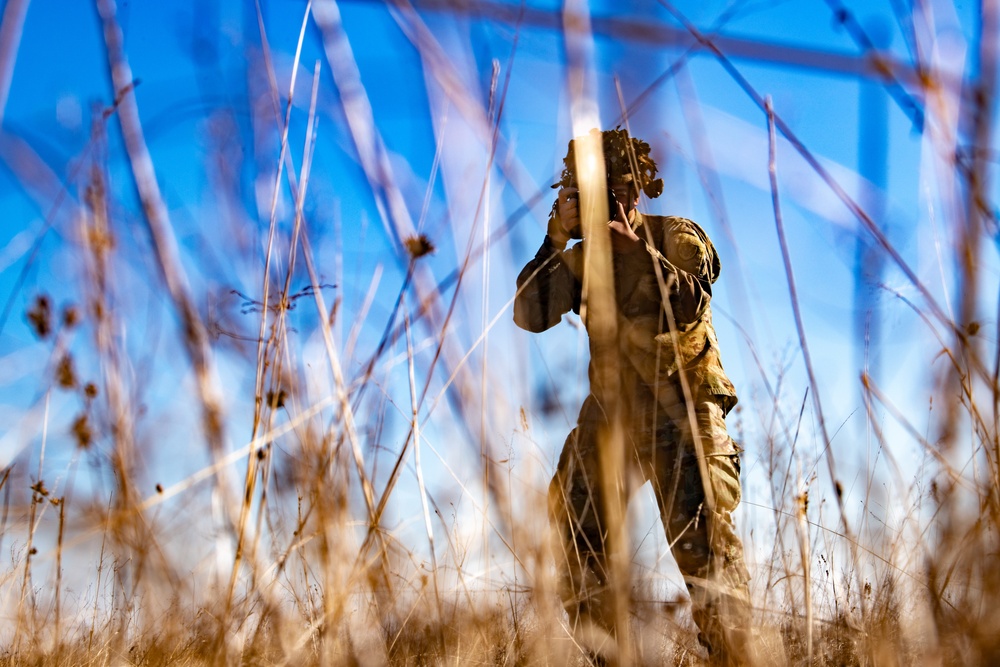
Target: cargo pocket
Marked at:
724, 473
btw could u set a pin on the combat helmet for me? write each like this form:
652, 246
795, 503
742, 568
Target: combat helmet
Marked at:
626, 159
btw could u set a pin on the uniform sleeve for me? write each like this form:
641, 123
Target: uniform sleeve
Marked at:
546, 289
685, 265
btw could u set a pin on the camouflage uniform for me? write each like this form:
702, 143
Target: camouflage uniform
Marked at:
660, 441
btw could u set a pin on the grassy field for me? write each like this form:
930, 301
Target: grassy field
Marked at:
238, 434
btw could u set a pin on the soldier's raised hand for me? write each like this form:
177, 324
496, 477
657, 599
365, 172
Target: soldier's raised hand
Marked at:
623, 238
567, 216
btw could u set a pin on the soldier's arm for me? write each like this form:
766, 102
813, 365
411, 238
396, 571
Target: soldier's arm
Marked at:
685, 268
546, 289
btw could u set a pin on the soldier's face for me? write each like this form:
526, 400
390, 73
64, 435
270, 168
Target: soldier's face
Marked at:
625, 195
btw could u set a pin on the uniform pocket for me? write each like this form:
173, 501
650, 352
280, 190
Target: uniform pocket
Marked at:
724, 473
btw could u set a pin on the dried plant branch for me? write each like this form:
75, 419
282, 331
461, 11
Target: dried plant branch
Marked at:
261, 370
803, 344
11, 29
421, 487
158, 225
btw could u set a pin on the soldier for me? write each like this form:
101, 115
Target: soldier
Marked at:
670, 391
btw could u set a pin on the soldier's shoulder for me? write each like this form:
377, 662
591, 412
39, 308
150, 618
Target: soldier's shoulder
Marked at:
679, 222
674, 225
687, 245
669, 222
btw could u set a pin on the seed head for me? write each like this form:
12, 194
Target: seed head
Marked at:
419, 245
40, 316
65, 374
82, 432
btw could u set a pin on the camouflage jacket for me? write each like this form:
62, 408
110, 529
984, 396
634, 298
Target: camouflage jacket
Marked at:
551, 285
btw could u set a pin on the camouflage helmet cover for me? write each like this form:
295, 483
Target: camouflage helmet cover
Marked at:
626, 159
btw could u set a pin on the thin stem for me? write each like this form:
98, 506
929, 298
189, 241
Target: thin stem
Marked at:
772, 169
415, 424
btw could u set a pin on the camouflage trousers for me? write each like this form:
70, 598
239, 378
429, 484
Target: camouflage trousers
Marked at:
696, 510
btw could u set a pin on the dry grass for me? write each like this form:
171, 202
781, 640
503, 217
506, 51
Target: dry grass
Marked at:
391, 506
